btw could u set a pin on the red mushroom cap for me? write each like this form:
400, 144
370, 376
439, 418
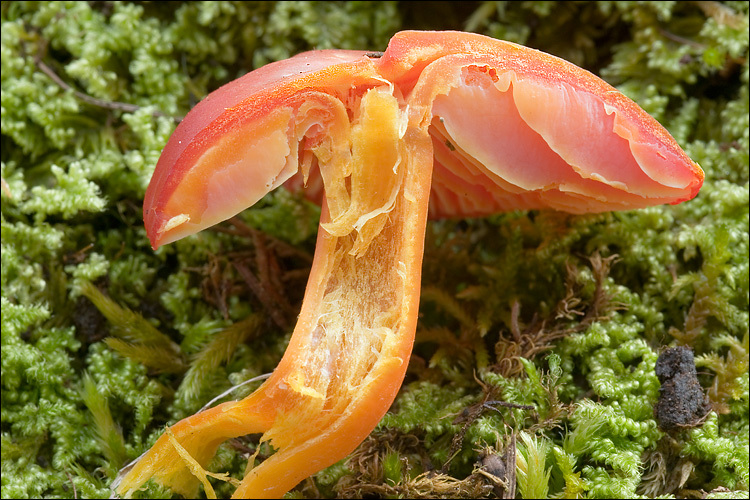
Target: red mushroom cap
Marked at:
512, 127
236, 145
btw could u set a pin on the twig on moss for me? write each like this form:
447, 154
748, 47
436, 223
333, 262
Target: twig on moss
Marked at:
682, 40
101, 103
488, 404
70, 479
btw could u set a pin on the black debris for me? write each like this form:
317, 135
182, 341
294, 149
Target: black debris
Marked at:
682, 402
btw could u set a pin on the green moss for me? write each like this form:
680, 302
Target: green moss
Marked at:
726, 450
427, 407
93, 90
533, 475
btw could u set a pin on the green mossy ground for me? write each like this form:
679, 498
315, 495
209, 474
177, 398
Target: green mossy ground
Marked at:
563, 313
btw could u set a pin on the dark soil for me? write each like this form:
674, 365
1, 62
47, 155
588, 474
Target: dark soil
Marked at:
682, 402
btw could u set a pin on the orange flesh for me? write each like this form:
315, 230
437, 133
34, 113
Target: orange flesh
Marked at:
449, 121
351, 346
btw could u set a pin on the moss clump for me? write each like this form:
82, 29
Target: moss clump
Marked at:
542, 325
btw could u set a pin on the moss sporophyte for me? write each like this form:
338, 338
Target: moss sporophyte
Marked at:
442, 124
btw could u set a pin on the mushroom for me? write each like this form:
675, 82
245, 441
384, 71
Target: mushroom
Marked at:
447, 123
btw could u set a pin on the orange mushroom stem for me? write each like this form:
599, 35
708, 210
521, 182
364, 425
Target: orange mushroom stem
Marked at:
442, 123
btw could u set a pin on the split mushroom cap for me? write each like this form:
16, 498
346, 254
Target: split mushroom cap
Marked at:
512, 128
242, 141
448, 123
